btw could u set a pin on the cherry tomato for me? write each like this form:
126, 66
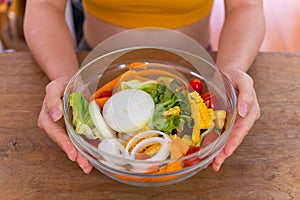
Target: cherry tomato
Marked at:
197, 85
106, 94
210, 100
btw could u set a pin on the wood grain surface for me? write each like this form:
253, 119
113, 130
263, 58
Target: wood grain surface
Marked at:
265, 166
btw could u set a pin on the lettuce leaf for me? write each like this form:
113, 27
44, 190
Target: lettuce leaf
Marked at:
81, 118
165, 98
146, 86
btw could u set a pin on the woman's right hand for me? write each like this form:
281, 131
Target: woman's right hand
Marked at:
50, 120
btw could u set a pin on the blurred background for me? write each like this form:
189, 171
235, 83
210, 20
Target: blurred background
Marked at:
282, 21
282, 24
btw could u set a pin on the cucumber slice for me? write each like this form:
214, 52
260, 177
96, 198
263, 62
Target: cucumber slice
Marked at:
129, 110
99, 121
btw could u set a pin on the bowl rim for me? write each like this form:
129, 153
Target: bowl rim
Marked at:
86, 64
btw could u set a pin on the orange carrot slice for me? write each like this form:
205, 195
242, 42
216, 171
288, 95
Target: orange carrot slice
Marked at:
139, 65
178, 148
127, 76
132, 74
101, 101
107, 87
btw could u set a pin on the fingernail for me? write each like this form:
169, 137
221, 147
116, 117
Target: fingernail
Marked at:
56, 114
243, 109
217, 168
72, 156
86, 169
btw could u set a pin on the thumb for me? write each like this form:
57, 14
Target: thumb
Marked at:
245, 92
54, 92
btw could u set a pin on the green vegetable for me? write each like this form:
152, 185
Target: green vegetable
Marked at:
165, 98
147, 86
164, 79
82, 120
166, 94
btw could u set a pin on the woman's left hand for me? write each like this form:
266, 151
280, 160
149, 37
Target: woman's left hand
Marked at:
248, 113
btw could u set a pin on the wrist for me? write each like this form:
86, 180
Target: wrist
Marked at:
232, 73
63, 79
64, 75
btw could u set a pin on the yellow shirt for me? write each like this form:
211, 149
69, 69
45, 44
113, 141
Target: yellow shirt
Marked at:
149, 13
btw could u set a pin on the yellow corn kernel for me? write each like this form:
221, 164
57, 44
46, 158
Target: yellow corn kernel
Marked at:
206, 114
220, 114
220, 118
173, 136
203, 116
152, 150
172, 111
196, 116
137, 140
132, 145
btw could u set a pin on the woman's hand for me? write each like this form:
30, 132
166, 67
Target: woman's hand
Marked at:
248, 113
49, 117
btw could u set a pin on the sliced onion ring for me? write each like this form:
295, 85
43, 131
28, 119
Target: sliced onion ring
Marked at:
150, 138
112, 146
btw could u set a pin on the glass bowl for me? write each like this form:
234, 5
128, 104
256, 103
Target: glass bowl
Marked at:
166, 62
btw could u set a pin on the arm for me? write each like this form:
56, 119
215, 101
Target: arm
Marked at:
49, 38
50, 42
240, 40
242, 34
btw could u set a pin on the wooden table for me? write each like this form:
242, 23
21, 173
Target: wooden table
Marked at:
265, 166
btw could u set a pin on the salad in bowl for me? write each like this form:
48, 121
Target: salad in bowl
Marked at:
144, 119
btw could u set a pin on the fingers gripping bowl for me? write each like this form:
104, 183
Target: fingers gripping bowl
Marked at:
149, 116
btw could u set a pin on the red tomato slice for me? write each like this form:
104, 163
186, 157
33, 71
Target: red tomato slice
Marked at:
209, 138
193, 150
193, 160
106, 94
210, 100
197, 85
